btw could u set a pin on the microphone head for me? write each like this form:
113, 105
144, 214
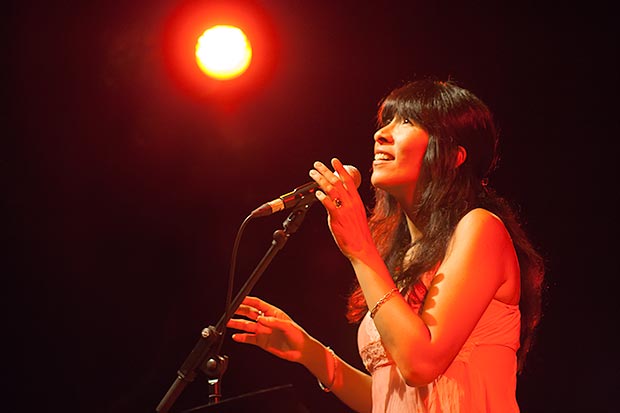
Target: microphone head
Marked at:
355, 174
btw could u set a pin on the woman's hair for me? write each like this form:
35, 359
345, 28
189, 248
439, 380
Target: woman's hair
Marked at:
452, 117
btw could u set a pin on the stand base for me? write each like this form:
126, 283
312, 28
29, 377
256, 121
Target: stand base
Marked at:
281, 399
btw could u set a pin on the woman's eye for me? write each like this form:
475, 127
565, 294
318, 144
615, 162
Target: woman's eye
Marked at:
406, 120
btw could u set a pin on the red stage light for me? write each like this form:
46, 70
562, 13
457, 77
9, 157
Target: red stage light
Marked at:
223, 52
189, 21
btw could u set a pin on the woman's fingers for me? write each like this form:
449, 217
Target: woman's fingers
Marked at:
261, 325
245, 338
343, 174
250, 327
254, 306
241, 324
277, 334
262, 332
337, 179
260, 318
248, 311
327, 180
332, 188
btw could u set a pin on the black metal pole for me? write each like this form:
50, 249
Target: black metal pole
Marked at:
210, 337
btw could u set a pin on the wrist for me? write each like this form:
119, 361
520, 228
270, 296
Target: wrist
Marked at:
331, 367
311, 356
368, 257
371, 265
322, 362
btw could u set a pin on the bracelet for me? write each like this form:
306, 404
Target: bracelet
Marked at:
323, 387
382, 301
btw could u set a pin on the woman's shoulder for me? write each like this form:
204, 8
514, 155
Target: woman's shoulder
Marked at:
482, 223
480, 213
482, 241
481, 216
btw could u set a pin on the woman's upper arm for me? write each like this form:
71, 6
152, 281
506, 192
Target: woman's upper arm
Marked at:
469, 277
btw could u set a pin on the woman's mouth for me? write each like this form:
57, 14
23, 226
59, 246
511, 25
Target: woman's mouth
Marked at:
382, 156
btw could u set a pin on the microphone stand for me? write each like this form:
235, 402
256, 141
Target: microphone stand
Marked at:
203, 356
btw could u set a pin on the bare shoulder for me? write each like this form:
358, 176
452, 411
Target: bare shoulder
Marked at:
482, 230
480, 215
483, 237
481, 222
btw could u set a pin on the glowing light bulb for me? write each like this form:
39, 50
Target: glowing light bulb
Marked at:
223, 52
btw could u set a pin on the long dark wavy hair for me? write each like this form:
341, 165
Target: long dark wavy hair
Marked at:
452, 117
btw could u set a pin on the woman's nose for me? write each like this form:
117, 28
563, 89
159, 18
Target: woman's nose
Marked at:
384, 135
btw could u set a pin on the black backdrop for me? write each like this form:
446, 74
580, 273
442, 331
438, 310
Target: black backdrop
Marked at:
123, 192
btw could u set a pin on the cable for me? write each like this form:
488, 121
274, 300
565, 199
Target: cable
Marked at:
231, 273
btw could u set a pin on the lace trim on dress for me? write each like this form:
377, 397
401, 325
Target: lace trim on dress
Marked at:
374, 356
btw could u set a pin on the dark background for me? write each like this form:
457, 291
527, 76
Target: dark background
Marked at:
124, 190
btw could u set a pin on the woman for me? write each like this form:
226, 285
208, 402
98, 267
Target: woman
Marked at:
448, 285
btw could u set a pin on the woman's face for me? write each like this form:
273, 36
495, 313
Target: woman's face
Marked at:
400, 146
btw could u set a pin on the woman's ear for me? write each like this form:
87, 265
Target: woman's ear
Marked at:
460, 156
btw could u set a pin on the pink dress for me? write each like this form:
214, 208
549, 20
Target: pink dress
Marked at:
481, 378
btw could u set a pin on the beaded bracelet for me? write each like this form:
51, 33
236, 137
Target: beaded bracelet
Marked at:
382, 301
323, 387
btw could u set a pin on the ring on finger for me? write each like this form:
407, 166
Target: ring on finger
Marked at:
337, 202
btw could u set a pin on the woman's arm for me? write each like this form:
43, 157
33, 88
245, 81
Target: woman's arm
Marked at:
349, 384
479, 260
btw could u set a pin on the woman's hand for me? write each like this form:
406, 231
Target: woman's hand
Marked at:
269, 328
346, 218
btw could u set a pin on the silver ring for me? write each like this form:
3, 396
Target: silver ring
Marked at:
260, 314
337, 202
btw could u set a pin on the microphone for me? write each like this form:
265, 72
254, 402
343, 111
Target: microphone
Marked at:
303, 193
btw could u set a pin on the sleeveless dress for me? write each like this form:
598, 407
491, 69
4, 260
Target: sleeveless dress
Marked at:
480, 379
